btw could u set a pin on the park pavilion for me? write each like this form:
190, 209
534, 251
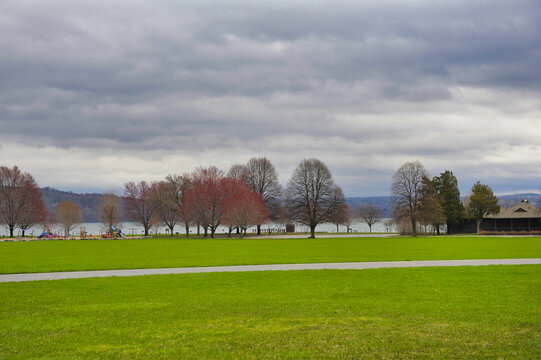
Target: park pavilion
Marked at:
523, 217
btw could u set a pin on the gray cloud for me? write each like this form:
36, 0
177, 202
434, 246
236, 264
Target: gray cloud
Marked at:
364, 86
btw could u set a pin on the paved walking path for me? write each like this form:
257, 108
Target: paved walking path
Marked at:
239, 268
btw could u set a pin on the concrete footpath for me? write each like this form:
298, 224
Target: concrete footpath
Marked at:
277, 267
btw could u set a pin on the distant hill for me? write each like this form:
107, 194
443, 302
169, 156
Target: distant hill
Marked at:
88, 202
510, 200
383, 202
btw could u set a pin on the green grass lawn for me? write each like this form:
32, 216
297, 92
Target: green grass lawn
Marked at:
43, 256
488, 312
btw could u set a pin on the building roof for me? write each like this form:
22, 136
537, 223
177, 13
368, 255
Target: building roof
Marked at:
522, 210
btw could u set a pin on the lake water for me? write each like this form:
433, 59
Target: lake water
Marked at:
131, 228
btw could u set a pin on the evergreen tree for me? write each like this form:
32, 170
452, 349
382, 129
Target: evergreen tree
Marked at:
482, 202
447, 187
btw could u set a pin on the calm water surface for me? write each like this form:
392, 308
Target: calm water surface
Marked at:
134, 228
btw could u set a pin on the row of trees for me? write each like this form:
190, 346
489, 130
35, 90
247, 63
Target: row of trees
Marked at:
248, 195
419, 199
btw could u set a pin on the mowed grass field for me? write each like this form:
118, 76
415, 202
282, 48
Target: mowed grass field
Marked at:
45, 256
487, 312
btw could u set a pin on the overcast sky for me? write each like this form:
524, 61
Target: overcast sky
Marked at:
97, 93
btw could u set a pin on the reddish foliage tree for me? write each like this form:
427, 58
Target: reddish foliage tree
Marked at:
244, 207
142, 202
206, 198
187, 211
35, 211
21, 202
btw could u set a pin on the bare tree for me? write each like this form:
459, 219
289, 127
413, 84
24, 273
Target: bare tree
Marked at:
371, 214
431, 211
312, 196
69, 214
352, 215
237, 172
389, 224
407, 182
178, 188
261, 175
21, 202
340, 217
141, 202
109, 211
170, 196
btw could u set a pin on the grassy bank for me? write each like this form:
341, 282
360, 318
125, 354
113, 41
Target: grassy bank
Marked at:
438, 313
43, 256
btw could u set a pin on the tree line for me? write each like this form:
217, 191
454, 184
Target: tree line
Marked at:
250, 195
420, 200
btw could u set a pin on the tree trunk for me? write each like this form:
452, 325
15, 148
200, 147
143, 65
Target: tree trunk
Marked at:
238, 230
413, 227
337, 229
198, 232
370, 227
146, 231
212, 232
206, 231
171, 229
23, 232
258, 229
312, 232
187, 229
11, 231
478, 225
438, 229
230, 231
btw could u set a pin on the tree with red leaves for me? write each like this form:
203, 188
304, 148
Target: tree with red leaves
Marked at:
35, 211
244, 207
142, 202
21, 202
207, 197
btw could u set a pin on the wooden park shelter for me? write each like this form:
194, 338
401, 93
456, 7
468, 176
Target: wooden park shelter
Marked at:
522, 217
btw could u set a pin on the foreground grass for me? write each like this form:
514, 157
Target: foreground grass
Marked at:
491, 312
43, 256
